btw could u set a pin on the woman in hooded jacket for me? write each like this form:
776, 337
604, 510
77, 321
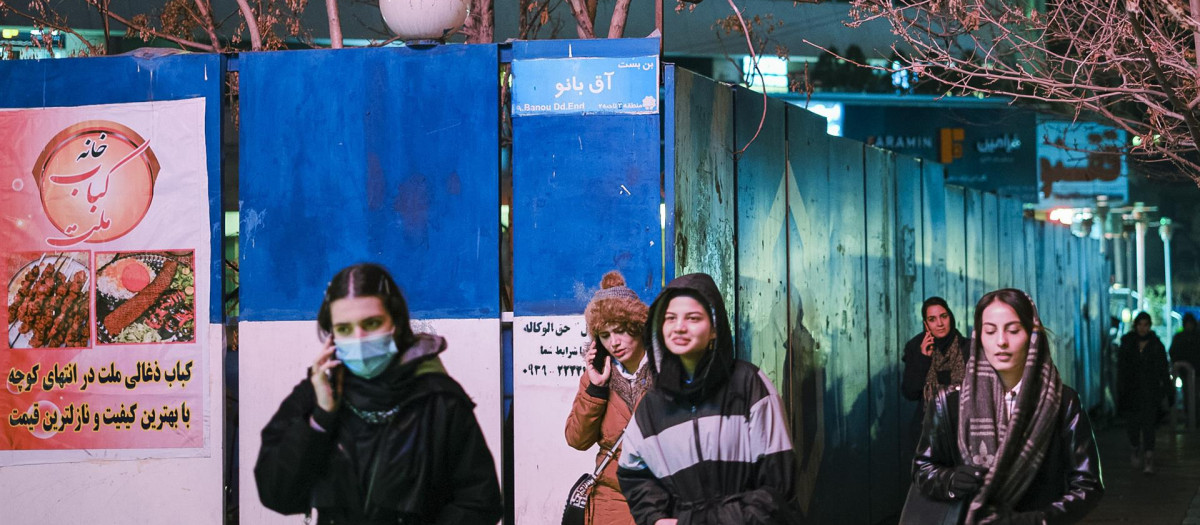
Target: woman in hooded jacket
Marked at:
708, 444
377, 432
1014, 441
610, 390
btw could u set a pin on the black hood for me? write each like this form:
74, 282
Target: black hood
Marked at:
716, 365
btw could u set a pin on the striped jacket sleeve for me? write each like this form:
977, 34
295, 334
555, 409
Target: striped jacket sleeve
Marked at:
648, 499
771, 500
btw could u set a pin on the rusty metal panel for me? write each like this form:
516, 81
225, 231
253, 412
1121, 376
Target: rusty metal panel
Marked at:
761, 206
805, 385
884, 344
955, 293
704, 183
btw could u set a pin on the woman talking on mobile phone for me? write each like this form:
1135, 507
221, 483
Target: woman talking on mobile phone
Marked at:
617, 377
378, 432
934, 359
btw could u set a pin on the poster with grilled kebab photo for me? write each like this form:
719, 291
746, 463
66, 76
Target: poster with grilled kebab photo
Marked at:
145, 297
48, 300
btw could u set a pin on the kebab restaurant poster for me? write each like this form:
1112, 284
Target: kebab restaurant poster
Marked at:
103, 224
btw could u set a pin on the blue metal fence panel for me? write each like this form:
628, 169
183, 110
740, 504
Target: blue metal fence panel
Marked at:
884, 345
703, 213
991, 242
762, 193
910, 288
123, 79
401, 170
933, 256
975, 253
670, 143
844, 331
586, 193
955, 293
807, 382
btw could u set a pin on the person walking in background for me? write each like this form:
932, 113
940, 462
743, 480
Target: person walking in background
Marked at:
1013, 441
1185, 346
1143, 381
377, 432
934, 359
617, 376
708, 445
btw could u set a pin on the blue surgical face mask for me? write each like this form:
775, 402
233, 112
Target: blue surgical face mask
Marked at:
367, 357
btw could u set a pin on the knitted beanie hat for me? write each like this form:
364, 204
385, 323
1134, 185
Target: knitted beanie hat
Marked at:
617, 304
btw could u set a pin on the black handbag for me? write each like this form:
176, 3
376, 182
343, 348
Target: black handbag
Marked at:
920, 509
574, 511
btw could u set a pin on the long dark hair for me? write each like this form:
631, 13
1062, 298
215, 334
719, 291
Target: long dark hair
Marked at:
1026, 311
367, 280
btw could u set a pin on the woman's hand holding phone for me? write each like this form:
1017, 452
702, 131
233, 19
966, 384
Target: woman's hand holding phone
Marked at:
323, 371
597, 377
927, 344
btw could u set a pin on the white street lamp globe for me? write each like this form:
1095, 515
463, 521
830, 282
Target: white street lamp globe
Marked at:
423, 19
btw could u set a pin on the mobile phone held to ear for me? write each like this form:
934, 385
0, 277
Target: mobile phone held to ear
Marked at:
601, 356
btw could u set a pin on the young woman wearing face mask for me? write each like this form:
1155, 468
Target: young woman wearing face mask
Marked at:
609, 392
1143, 380
708, 445
1014, 441
377, 432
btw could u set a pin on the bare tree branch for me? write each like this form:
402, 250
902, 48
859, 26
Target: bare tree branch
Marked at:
616, 29
54, 21
251, 25
335, 24
583, 23
1134, 64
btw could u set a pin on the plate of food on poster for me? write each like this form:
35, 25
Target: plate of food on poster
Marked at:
145, 297
48, 301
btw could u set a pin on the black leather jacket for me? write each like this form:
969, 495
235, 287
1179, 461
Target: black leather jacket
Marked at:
1066, 487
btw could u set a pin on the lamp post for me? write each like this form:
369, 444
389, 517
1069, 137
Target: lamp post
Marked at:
1164, 232
1139, 218
424, 21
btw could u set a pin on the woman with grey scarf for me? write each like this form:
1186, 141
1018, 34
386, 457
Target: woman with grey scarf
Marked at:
1013, 442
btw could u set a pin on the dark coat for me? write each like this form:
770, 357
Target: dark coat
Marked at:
1142, 377
427, 465
712, 451
1067, 485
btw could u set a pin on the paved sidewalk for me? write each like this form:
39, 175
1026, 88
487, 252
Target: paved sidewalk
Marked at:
1170, 496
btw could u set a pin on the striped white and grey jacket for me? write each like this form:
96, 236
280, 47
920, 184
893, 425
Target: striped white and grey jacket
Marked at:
725, 460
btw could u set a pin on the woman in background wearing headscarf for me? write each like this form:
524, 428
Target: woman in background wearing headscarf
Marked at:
933, 359
1013, 441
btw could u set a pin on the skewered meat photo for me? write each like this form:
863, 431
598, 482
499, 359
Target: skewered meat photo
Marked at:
145, 297
48, 301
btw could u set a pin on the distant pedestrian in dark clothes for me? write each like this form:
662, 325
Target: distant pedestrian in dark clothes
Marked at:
1185, 347
1143, 379
935, 358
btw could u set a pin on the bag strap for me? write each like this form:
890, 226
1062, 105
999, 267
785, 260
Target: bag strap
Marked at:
608, 457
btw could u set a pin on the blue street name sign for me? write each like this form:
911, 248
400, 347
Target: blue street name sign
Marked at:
585, 85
